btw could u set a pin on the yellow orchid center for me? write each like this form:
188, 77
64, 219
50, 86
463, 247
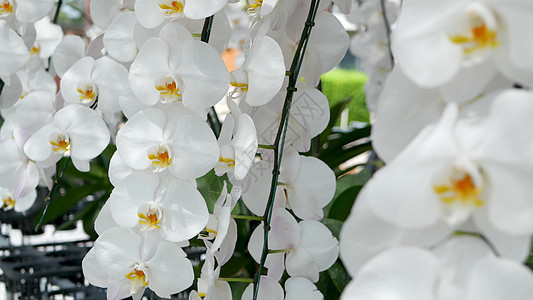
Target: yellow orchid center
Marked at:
137, 280
87, 92
476, 30
255, 6
6, 8
34, 50
481, 37
462, 190
149, 218
169, 91
9, 202
161, 158
240, 85
60, 143
211, 231
170, 8
230, 163
239, 79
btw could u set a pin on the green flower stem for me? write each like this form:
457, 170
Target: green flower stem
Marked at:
388, 31
266, 146
51, 194
56, 16
282, 132
278, 251
245, 217
55, 20
212, 116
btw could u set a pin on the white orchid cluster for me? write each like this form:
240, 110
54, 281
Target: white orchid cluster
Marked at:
371, 43
38, 129
153, 65
450, 216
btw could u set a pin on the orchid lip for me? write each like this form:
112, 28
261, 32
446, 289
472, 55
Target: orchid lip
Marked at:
161, 156
6, 8
170, 7
8, 202
87, 92
460, 194
480, 35
60, 142
137, 277
150, 217
170, 89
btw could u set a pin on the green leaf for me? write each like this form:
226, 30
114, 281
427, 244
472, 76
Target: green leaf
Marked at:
210, 186
234, 266
339, 276
106, 155
335, 159
97, 173
342, 205
350, 180
60, 205
335, 114
339, 139
326, 286
90, 206
333, 225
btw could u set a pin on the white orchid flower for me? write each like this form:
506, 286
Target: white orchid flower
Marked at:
209, 286
221, 228
306, 186
404, 109
25, 11
261, 76
326, 46
119, 38
220, 30
33, 111
452, 37
175, 139
118, 170
305, 248
151, 202
36, 80
238, 144
308, 117
104, 12
364, 235
70, 50
19, 204
261, 7
10, 93
301, 288
269, 289
88, 81
152, 13
74, 129
120, 262
17, 172
131, 104
462, 268
48, 36
454, 170
29, 82
16, 54
175, 68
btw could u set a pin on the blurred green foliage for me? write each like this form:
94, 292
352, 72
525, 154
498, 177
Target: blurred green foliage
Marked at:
339, 84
